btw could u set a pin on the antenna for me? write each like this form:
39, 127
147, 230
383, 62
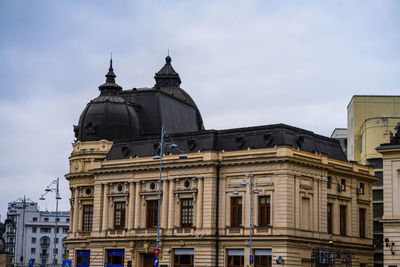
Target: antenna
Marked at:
168, 51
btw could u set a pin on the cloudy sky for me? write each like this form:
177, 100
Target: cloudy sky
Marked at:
245, 63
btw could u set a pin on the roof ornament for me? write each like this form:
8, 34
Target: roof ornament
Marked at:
110, 74
167, 76
110, 86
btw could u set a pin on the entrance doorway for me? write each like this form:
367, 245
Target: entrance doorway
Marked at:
148, 260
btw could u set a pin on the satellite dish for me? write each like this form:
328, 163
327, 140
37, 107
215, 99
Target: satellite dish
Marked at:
279, 260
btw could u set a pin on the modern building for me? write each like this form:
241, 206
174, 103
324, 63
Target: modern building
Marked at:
391, 215
370, 121
34, 234
309, 204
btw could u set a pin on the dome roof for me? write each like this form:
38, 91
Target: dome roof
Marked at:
108, 116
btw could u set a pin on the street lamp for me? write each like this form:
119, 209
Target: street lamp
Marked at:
54, 186
172, 145
252, 190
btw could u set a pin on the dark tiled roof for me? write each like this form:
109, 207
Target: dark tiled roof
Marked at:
234, 139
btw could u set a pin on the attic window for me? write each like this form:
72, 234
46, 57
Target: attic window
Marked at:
239, 142
90, 128
267, 139
125, 151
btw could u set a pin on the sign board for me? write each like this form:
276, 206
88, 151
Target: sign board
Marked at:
31, 262
155, 262
67, 263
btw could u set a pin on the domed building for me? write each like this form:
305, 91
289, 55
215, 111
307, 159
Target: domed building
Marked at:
263, 195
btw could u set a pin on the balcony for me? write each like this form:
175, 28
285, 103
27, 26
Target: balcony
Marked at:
10, 232
10, 243
44, 244
44, 255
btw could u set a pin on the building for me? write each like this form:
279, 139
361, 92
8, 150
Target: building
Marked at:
391, 216
33, 236
370, 120
313, 205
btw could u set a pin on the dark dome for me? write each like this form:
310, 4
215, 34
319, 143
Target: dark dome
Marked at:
108, 116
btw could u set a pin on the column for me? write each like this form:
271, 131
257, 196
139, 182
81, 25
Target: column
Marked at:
80, 217
171, 203
131, 214
105, 208
76, 211
137, 205
164, 205
199, 212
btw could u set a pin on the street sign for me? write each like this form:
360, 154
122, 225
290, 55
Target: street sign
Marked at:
67, 263
156, 251
155, 262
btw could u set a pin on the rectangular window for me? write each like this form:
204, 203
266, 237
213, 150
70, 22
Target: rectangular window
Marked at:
87, 217
184, 257
329, 217
34, 219
362, 187
65, 230
235, 258
115, 257
34, 229
56, 240
45, 230
343, 182
361, 222
262, 258
187, 212
119, 215
329, 184
33, 240
152, 207
342, 220
33, 250
236, 212
264, 211
82, 258
67, 220
46, 219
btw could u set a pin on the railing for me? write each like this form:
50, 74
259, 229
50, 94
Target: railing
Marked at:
44, 255
10, 233
10, 243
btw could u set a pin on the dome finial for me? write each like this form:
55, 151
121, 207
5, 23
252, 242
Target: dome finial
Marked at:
110, 74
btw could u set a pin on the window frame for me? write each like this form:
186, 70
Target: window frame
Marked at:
151, 213
343, 220
87, 222
361, 222
329, 217
187, 206
264, 221
236, 209
119, 214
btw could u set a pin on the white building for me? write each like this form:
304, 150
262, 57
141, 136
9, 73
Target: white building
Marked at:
34, 236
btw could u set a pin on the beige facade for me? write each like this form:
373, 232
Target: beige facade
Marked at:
391, 216
368, 119
298, 185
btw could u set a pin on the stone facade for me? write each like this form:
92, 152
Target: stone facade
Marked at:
391, 215
298, 185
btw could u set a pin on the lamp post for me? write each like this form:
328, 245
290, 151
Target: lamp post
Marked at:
160, 157
252, 190
54, 186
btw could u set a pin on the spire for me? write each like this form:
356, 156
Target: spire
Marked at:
110, 86
110, 74
167, 76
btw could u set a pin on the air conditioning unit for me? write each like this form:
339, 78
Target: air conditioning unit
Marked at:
359, 191
340, 187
